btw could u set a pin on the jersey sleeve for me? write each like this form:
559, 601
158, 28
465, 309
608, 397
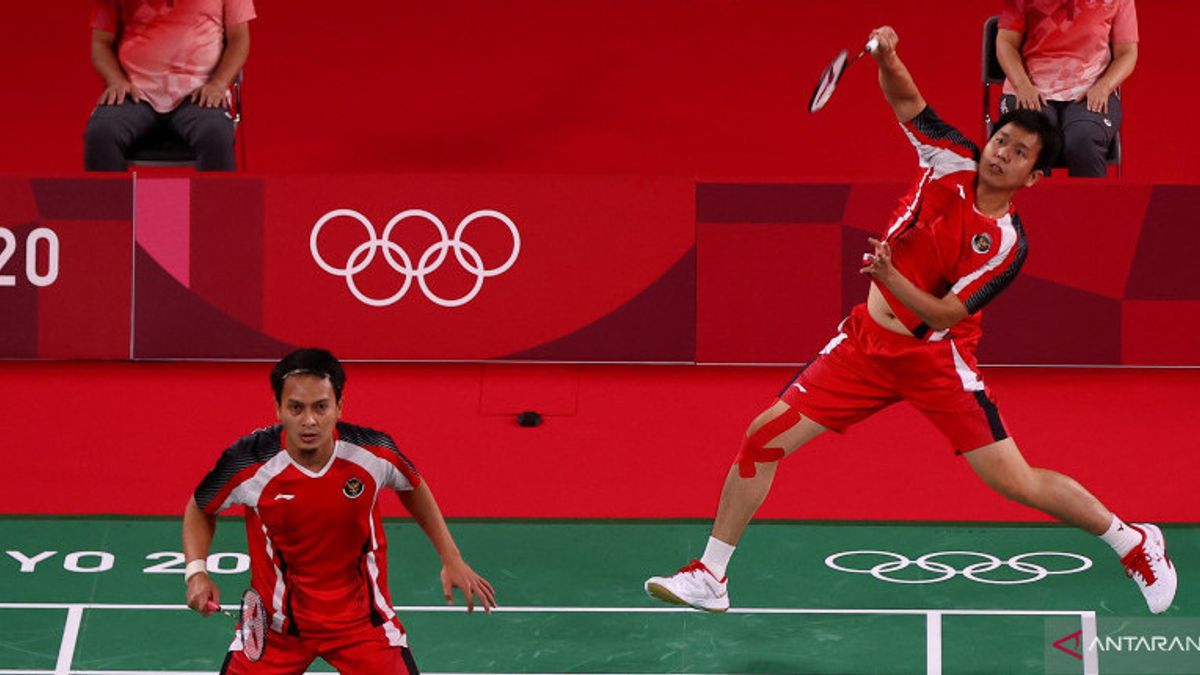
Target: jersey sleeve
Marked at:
980, 282
941, 148
401, 473
106, 16
1124, 27
238, 11
237, 464
1012, 17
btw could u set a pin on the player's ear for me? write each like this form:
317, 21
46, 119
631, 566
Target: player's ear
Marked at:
1034, 176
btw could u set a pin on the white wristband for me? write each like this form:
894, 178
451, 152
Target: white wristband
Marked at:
195, 567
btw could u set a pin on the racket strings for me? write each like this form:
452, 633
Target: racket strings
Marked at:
253, 626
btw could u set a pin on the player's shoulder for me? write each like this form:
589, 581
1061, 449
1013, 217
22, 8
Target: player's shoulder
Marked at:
365, 436
258, 446
930, 127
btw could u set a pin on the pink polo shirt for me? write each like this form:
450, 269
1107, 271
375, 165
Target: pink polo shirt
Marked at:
168, 48
1067, 42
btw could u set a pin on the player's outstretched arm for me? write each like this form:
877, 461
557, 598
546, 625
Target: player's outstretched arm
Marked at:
937, 313
456, 573
198, 530
898, 86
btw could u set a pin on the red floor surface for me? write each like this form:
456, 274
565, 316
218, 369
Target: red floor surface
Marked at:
617, 442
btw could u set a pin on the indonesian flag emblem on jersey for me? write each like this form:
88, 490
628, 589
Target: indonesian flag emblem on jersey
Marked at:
941, 242
318, 554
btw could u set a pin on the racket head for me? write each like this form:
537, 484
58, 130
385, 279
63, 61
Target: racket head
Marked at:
252, 625
828, 82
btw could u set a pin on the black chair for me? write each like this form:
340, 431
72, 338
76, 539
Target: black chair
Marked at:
993, 75
163, 147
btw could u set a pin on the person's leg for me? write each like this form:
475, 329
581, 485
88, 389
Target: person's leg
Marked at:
775, 433
1141, 546
1005, 470
832, 389
284, 655
369, 650
952, 395
1087, 135
779, 428
210, 133
111, 130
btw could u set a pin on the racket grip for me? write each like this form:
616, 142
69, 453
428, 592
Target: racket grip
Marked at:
872, 44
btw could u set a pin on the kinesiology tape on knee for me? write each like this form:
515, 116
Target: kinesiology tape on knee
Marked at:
753, 448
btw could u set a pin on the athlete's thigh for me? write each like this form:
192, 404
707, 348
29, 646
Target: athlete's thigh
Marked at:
1105, 124
369, 651
946, 386
284, 655
840, 388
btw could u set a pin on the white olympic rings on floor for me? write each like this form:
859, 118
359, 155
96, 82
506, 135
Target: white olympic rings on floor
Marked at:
989, 563
364, 254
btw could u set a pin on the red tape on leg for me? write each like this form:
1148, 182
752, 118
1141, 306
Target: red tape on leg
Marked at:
753, 448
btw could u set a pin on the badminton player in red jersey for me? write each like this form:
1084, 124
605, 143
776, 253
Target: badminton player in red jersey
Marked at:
951, 246
311, 487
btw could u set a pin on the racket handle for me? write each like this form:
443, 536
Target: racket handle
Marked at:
872, 44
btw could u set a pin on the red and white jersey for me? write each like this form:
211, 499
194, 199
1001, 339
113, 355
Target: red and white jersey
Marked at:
318, 554
941, 242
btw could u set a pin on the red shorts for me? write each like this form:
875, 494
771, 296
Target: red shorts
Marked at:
866, 368
366, 650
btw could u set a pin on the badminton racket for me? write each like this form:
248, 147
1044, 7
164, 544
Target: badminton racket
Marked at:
833, 73
252, 623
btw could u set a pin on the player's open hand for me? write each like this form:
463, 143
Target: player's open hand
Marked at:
878, 265
209, 96
116, 93
203, 594
1097, 98
458, 574
1029, 98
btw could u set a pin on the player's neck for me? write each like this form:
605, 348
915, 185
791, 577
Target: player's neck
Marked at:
991, 202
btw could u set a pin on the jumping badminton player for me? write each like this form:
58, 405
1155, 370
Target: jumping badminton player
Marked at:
954, 243
312, 486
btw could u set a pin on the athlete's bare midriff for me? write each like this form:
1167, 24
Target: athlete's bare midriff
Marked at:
879, 310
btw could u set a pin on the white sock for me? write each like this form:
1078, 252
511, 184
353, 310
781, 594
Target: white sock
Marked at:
716, 556
1121, 537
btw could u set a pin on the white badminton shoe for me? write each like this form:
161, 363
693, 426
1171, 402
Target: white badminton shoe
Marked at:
693, 585
1148, 565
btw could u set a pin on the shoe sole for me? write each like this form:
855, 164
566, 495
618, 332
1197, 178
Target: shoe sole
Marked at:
660, 592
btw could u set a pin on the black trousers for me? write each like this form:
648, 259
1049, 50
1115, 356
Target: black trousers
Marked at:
112, 129
1086, 134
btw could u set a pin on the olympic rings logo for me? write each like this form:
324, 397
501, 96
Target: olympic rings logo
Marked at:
398, 259
988, 563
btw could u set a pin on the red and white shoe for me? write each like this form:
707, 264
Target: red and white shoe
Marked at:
1148, 565
693, 585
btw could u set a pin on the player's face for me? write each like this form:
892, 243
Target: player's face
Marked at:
308, 411
1009, 158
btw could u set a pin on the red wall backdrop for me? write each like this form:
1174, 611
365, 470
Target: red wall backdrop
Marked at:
617, 441
715, 89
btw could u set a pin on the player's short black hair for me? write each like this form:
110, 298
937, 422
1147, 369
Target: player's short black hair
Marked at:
1037, 123
308, 361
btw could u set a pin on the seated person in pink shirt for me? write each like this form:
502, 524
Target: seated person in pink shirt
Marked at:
166, 63
1067, 58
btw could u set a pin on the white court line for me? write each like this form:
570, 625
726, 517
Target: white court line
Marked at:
933, 643
603, 610
933, 626
1091, 659
66, 649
